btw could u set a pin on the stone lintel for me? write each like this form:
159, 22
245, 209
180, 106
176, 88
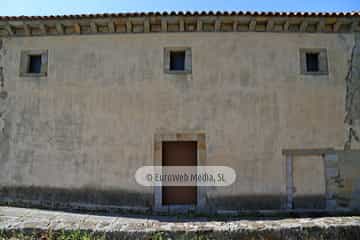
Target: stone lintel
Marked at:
307, 152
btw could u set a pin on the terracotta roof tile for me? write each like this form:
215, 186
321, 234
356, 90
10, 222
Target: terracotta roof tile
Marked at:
182, 13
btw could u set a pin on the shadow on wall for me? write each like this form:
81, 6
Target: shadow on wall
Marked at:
75, 199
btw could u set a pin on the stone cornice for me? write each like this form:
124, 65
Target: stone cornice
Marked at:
94, 24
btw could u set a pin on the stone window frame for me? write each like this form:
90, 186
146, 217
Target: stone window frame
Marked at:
25, 61
200, 139
188, 60
323, 61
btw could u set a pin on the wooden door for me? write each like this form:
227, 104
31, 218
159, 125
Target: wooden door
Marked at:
179, 154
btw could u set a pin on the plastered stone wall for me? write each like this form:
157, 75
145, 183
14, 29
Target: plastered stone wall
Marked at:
79, 134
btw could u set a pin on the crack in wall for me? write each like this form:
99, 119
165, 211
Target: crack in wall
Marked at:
3, 98
2, 121
2, 84
352, 107
1, 68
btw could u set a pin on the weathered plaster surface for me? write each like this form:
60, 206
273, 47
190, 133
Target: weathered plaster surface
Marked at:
91, 122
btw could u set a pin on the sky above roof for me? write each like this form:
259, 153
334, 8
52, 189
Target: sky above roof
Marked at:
61, 7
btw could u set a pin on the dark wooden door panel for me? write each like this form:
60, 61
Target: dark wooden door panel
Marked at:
179, 154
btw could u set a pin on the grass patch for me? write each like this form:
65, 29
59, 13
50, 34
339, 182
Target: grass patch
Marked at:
50, 235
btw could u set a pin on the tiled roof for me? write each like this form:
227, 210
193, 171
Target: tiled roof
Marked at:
187, 13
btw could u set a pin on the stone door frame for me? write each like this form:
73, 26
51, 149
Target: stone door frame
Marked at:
331, 170
200, 139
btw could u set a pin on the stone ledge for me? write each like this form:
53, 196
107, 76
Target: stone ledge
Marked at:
29, 222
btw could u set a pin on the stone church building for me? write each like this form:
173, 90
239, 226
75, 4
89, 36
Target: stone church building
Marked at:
87, 100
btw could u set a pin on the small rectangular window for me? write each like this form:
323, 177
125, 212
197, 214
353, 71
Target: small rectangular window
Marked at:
177, 60
34, 64
312, 62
